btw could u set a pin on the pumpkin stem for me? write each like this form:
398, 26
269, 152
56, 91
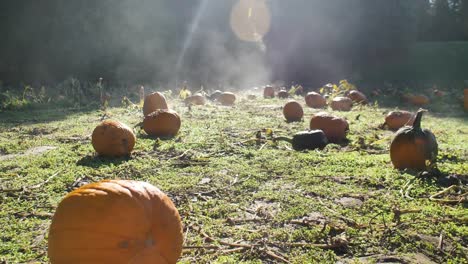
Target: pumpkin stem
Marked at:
417, 120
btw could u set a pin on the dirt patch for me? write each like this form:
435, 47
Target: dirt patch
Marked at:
32, 151
349, 202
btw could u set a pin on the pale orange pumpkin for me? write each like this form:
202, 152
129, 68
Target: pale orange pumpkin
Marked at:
397, 119
162, 123
315, 100
113, 138
227, 99
118, 222
293, 111
357, 97
196, 99
154, 102
341, 104
334, 127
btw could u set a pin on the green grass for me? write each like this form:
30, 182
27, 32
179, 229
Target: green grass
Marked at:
219, 185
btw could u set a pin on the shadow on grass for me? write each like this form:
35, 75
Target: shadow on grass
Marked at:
94, 161
143, 135
42, 114
436, 177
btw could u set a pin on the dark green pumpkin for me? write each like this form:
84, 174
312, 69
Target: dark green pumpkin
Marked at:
313, 139
413, 147
307, 140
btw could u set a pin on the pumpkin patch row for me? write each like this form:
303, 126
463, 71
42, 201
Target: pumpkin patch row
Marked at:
120, 221
411, 147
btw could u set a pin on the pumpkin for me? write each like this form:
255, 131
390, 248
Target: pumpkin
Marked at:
268, 92
315, 100
418, 100
283, 94
439, 93
215, 95
227, 98
309, 140
196, 99
116, 221
154, 102
113, 138
162, 123
397, 119
334, 127
465, 99
357, 97
341, 103
413, 147
293, 111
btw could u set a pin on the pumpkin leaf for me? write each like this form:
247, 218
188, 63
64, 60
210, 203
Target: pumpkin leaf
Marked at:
184, 93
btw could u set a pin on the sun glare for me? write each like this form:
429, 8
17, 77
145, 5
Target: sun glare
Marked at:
250, 20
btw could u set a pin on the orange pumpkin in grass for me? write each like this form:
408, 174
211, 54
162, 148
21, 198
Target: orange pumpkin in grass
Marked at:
357, 97
315, 100
414, 147
268, 92
418, 100
154, 102
334, 127
196, 99
116, 221
341, 104
293, 111
113, 138
397, 119
227, 99
162, 123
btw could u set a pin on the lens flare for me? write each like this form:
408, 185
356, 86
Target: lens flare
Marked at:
250, 20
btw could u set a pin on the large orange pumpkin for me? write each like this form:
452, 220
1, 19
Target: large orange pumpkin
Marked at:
227, 98
117, 222
315, 100
334, 127
162, 123
397, 119
268, 92
413, 147
293, 111
113, 138
341, 103
154, 102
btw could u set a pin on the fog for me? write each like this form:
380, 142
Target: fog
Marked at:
166, 42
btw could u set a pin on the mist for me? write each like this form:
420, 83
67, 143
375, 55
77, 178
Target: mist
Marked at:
167, 42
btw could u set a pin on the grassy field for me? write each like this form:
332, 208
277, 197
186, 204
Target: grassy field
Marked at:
248, 203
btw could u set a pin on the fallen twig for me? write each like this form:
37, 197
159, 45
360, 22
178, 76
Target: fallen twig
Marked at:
32, 187
461, 198
275, 256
